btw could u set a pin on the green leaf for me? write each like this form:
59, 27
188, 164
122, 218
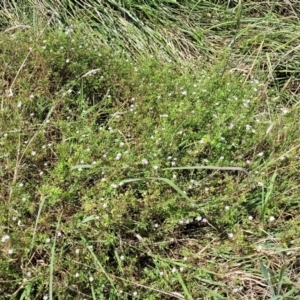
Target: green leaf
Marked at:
169, 182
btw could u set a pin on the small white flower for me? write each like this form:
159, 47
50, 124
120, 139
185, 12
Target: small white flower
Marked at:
248, 127
144, 161
77, 251
185, 258
174, 176
174, 270
204, 220
118, 156
91, 279
5, 238
67, 61
21, 184
104, 205
94, 162
184, 93
45, 297
173, 163
33, 153
113, 185
250, 218
272, 218
41, 173
260, 154
10, 93
181, 269
77, 275
155, 167
227, 207
48, 240
59, 233
122, 257
134, 294
31, 96
230, 235
199, 218
161, 273
156, 225
19, 104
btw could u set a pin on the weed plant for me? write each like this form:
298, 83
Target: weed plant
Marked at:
135, 176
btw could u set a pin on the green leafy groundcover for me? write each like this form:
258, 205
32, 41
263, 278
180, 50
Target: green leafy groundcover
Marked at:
101, 192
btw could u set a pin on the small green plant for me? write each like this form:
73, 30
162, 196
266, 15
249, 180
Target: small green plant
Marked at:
266, 196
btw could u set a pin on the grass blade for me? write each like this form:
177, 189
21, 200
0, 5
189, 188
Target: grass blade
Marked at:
169, 182
185, 289
214, 168
266, 274
52, 262
37, 220
98, 263
266, 198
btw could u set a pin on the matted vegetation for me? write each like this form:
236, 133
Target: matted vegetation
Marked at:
149, 150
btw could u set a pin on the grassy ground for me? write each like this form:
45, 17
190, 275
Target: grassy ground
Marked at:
149, 150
